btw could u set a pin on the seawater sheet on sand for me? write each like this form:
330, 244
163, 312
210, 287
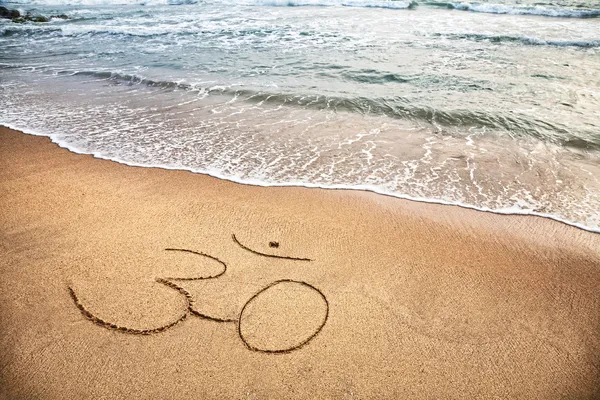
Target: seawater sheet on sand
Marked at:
493, 105
253, 141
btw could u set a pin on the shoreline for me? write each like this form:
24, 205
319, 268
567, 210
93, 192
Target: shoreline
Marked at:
413, 300
363, 188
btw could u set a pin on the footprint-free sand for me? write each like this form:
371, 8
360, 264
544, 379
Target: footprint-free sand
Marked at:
370, 296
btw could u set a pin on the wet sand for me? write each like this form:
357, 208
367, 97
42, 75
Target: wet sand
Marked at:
359, 295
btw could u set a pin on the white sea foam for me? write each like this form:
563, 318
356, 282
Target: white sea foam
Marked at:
525, 10
330, 3
391, 4
380, 4
250, 144
514, 210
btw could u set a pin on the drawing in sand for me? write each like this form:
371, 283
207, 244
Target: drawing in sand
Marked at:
239, 321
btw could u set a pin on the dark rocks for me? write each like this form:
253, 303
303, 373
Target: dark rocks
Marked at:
40, 18
9, 14
15, 16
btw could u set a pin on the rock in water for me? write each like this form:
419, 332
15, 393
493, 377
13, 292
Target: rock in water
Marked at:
16, 16
9, 14
40, 18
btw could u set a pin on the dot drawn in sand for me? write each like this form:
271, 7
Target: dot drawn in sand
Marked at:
189, 309
235, 239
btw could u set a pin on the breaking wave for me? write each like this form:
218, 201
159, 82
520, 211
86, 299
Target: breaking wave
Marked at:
527, 40
391, 4
393, 107
185, 28
547, 11
98, 2
518, 10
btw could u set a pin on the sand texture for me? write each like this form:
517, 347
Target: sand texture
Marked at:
141, 283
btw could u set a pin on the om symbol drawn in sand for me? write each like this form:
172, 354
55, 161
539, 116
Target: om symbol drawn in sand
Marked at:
249, 341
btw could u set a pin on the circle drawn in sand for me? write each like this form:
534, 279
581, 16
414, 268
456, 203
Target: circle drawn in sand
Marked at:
283, 316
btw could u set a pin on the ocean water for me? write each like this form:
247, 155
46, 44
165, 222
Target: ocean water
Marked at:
493, 105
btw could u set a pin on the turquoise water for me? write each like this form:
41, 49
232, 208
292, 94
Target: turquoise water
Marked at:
493, 105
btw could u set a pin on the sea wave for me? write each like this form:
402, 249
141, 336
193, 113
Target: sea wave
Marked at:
518, 9
541, 10
94, 29
99, 2
527, 40
391, 4
185, 28
393, 107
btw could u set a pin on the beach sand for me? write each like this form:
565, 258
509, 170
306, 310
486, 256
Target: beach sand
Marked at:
401, 299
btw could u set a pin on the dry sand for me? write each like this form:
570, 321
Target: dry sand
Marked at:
420, 300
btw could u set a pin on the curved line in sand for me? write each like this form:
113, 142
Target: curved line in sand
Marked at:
109, 325
305, 341
210, 318
235, 239
190, 300
199, 253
